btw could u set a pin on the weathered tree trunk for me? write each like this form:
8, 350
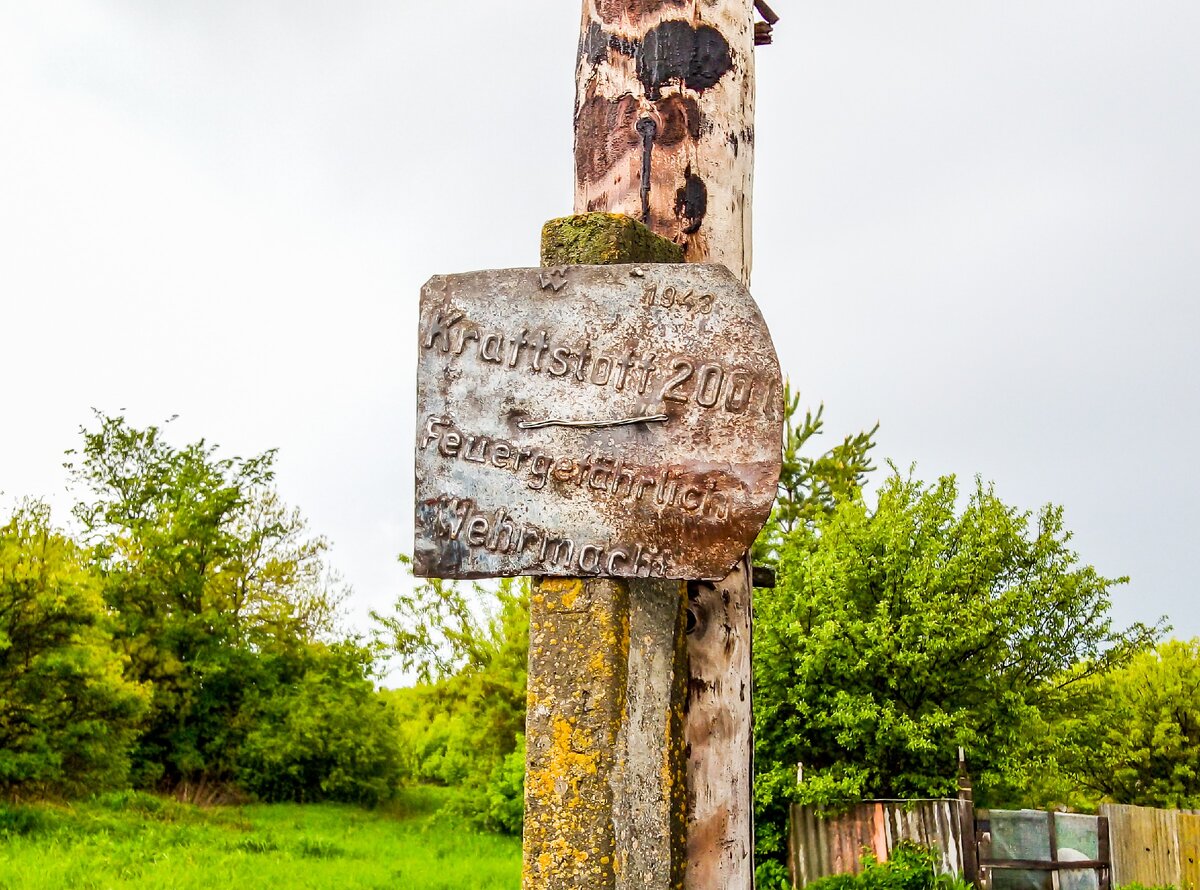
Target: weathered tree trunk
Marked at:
664, 132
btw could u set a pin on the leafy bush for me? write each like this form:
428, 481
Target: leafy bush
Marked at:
772, 875
462, 724
506, 792
328, 736
1139, 742
899, 633
68, 717
910, 867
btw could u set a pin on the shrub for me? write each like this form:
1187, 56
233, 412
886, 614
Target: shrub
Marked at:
506, 792
68, 716
329, 736
911, 867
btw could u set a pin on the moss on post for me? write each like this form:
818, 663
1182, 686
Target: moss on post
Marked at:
601, 239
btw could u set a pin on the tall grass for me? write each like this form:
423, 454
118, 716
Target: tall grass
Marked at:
133, 840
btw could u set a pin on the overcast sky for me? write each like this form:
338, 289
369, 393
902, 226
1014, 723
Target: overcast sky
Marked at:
976, 222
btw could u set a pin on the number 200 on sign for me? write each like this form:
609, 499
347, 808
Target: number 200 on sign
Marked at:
713, 386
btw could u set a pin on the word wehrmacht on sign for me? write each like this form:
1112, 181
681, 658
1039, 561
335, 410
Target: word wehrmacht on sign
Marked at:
622, 421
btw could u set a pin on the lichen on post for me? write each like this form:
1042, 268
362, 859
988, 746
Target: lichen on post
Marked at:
578, 655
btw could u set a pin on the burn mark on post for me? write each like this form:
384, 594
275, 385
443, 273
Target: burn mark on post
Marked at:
680, 120
606, 132
596, 43
646, 128
671, 52
691, 202
593, 46
675, 51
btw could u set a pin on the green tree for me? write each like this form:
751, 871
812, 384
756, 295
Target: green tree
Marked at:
1138, 740
462, 724
68, 716
811, 486
206, 573
900, 633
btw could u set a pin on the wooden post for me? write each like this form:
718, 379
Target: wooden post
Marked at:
667, 86
664, 132
966, 816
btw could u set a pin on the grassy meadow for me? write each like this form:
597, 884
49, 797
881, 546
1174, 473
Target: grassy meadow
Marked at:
133, 840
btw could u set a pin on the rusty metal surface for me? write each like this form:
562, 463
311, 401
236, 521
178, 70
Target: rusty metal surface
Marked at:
821, 845
622, 421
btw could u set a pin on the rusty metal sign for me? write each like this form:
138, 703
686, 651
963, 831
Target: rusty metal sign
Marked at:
621, 421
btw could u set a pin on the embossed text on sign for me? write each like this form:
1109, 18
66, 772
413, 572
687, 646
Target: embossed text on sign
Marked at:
622, 421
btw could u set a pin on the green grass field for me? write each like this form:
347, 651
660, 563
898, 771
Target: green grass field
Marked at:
134, 840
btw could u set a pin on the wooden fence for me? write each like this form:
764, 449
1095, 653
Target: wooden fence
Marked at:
1005, 850
824, 845
1154, 847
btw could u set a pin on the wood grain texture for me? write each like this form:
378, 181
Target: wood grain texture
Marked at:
1149, 846
688, 66
720, 735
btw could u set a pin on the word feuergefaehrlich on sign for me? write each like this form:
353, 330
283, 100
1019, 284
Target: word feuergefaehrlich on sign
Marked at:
619, 421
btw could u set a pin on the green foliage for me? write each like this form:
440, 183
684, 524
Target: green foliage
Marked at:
67, 714
328, 736
810, 487
464, 720
506, 791
910, 867
208, 578
771, 874
898, 634
1138, 741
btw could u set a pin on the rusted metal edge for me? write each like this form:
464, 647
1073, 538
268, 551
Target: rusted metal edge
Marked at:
766, 12
1042, 865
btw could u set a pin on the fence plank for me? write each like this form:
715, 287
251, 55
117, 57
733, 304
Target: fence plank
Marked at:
1145, 845
1189, 851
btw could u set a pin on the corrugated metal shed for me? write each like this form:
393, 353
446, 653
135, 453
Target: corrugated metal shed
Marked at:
823, 844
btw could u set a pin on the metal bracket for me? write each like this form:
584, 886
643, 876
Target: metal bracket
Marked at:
593, 424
